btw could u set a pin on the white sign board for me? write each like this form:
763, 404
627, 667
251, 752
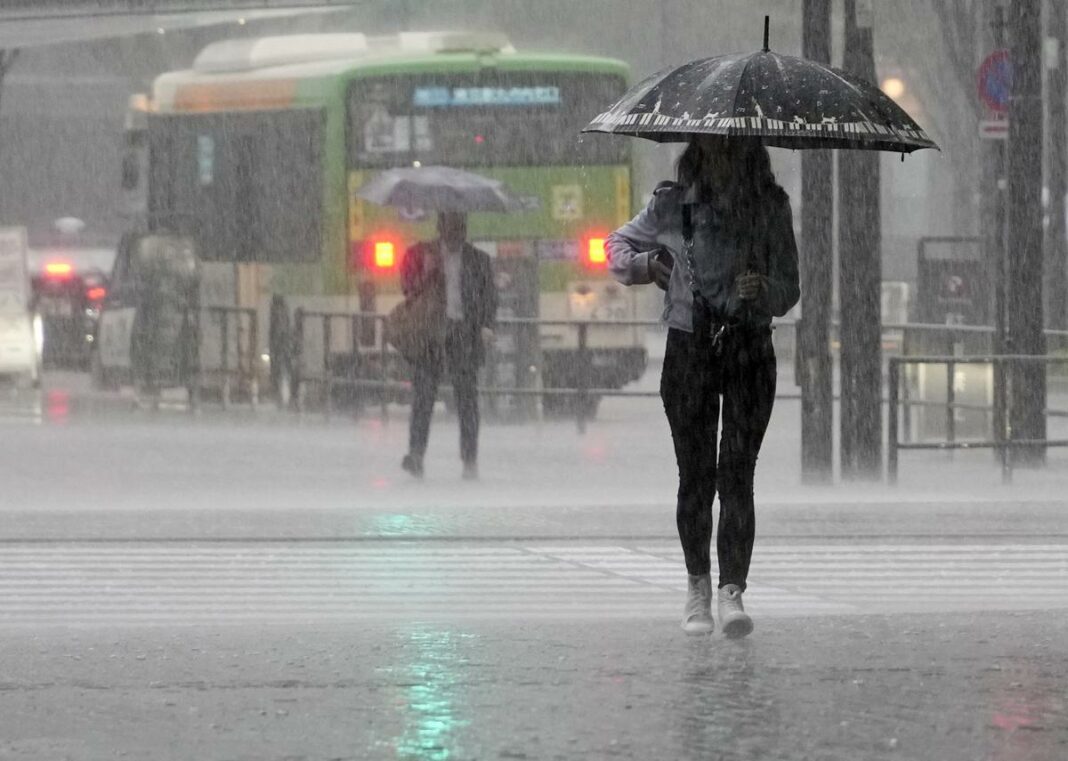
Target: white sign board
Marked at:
14, 277
994, 129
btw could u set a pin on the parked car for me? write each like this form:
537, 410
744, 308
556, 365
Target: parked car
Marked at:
67, 300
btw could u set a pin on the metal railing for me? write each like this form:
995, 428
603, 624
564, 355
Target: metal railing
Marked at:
234, 328
245, 321
1002, 440
383, 360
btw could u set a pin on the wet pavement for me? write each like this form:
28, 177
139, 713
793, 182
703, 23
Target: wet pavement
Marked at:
949, 687
262, 586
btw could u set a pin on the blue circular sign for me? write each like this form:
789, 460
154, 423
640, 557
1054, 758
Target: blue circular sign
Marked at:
995, 81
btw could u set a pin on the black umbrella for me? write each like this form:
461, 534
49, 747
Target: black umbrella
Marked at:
781, 100
439, 188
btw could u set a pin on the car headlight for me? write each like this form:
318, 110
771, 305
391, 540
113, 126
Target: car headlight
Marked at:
38, 334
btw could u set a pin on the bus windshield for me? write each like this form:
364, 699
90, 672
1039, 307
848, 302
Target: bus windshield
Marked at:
492, 118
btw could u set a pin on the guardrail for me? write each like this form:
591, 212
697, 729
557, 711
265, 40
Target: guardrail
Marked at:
239, 325
383, 361
1002, 440
376, 368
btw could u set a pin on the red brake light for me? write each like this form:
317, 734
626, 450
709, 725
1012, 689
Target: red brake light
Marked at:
596, 255
59, 269
384, 254
96, 293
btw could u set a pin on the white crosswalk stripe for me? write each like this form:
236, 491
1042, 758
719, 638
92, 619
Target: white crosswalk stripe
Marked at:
174, 583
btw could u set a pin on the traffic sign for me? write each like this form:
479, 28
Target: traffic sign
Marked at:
995, 81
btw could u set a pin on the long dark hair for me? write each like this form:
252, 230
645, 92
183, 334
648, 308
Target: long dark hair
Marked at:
750, 191
753, 176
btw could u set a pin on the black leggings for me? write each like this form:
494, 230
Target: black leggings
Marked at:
694, 380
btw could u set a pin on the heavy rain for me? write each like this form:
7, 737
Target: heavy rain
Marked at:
500, 379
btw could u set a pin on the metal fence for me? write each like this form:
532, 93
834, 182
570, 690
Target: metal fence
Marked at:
378, 366
1001, 440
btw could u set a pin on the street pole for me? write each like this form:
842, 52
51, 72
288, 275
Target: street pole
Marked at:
860, 275
1056, 244
1028, 381
995, 203
817, 225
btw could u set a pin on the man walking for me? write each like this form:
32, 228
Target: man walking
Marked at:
460, 277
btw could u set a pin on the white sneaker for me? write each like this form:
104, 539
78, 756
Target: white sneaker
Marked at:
733, 619
697, 615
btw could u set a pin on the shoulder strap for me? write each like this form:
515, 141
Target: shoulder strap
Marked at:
687, 246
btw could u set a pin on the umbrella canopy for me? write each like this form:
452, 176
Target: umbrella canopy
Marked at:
781, 100
439, 188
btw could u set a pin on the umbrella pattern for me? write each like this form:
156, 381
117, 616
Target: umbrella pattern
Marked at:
784, 101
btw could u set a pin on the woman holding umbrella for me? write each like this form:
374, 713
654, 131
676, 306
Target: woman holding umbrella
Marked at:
728, 225
720, 241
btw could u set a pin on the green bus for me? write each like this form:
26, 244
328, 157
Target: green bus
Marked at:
259, 148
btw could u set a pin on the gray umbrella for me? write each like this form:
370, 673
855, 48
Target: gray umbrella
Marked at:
439, 188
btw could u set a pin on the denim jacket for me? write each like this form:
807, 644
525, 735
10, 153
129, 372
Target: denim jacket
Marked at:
720, 255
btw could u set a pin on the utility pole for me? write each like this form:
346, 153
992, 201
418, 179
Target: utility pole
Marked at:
994, 215
1028, 381
860, 274
817, 226
7, 60
1056, 240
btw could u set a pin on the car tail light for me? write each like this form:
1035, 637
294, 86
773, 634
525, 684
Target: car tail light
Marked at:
596, 255
96, 293
59, 270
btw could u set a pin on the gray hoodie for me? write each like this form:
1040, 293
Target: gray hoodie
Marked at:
720, 255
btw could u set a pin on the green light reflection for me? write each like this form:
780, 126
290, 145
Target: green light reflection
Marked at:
400, 525
432, 688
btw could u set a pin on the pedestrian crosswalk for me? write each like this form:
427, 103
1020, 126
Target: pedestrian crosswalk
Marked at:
175, 583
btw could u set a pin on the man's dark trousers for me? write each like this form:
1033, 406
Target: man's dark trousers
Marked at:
458, 355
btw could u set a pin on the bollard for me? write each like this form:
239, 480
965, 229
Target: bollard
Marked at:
904, 391
353, 379
224, 322
383, 366
327, 370
891, 421
951, 400
254, 360
297, 354
193, 391
583, 375
1002, 432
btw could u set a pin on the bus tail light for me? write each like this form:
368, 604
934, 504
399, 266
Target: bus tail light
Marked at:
384, 254
596, 254
59, 270
378, 255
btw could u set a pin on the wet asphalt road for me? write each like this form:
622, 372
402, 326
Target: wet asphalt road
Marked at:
176, 589
965, 686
